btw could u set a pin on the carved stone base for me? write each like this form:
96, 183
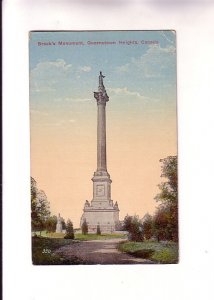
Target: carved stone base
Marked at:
105, 218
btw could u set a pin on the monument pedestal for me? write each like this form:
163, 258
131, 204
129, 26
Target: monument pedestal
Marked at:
102, 211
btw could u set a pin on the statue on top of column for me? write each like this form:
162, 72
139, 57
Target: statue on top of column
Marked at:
101, 96
101, 79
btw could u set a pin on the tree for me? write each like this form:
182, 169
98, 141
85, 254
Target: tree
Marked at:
169, 188
148, 227
63, 224
98, 230
40, 209
84, 227
69, 230
166, 218
50, 224
133, 225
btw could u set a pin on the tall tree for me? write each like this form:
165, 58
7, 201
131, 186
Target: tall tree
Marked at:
148, 227
166, 218
169, 188
40, 209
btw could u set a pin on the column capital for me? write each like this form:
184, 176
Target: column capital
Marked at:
101, 96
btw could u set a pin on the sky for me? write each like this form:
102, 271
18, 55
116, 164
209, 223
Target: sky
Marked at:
140, 70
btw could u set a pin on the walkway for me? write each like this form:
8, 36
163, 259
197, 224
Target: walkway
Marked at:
99, 252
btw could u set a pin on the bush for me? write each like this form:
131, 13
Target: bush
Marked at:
98, 230
84, 227
69, 230
134, 227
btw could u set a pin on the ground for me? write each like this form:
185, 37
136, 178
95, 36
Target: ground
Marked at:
99, 252
53, 249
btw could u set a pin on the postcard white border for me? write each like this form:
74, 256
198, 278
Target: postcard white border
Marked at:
191, 278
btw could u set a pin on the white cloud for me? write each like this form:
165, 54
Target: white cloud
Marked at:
154, 63
46, 65
85, 69
47, 75
125, 92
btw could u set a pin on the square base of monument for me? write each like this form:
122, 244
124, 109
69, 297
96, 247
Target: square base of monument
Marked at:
105, 219
103, 229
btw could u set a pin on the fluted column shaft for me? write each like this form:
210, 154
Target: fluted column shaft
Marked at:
101, 137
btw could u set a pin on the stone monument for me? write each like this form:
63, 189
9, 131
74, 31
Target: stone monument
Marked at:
101, 211
59, 224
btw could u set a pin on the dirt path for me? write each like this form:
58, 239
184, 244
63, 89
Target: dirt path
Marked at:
99, 252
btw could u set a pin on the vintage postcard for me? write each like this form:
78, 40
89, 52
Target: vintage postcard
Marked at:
103, 147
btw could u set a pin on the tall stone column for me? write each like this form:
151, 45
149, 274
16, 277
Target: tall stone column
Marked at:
101, 97
101, 211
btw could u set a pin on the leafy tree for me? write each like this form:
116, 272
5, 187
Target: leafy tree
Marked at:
40, 209
148, 227
50, 224
63, 224
166, 218
169, 188
69, 230
161, 224
98, 230
133, 225
84, 227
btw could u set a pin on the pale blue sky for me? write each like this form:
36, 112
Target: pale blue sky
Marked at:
140, 71
141, 115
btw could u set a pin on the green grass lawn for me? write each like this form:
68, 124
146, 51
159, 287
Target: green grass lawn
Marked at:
43, 251
158, 252
82, 237
91, 236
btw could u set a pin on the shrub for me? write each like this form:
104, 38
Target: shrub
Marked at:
84, 227
69, 230
134, 227
98, 230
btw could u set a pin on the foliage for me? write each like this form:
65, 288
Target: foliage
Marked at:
166, 217
148, 227
84, 227
43, 252
63, 224
40, 210
69, 230
166, 256
156, 252
50, 224
98, 230
133, 225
